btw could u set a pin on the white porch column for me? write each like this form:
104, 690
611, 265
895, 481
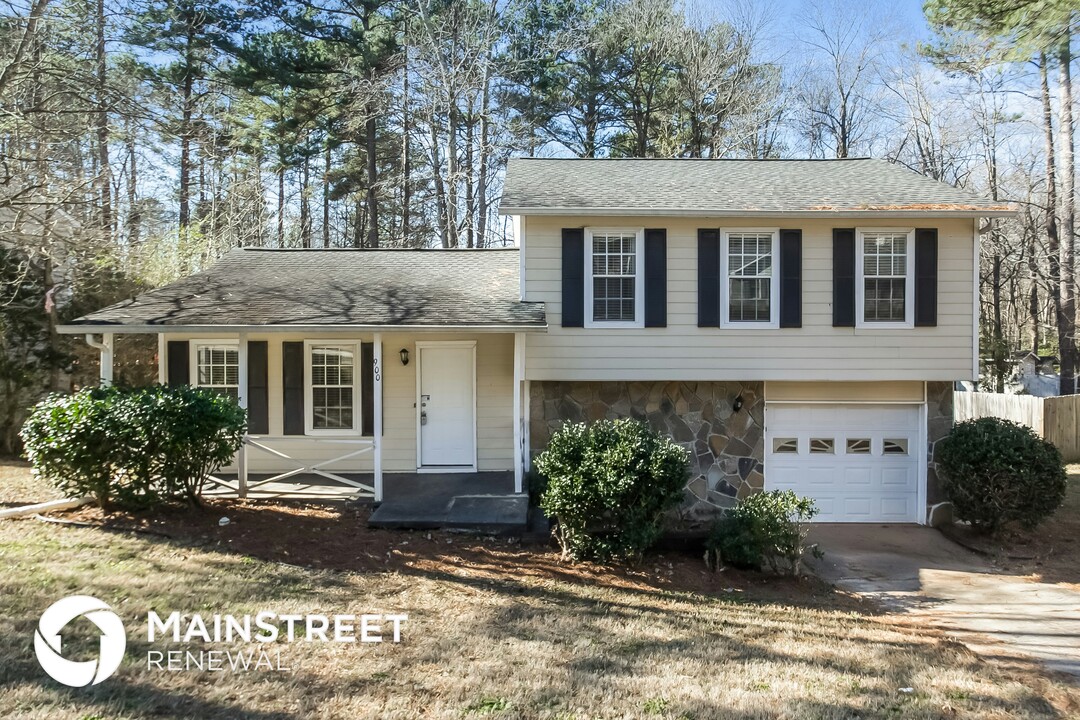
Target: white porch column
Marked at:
242, 400
105, 354
377, 431
161, 358
519, 435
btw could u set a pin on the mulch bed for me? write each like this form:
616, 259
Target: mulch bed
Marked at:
338, 538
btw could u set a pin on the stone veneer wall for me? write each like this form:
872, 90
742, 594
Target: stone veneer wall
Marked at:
726, 447
939, 421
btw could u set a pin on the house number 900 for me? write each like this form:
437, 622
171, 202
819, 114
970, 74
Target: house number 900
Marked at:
375, 366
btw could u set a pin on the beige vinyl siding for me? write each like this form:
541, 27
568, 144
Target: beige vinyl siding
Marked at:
846, 392
494, 402
816, 351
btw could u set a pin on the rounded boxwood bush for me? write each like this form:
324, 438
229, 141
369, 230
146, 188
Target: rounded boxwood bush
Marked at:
997, 472
608, 485
764, 530
133, 447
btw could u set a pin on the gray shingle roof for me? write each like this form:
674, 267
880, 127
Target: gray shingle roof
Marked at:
257, 287
859, 186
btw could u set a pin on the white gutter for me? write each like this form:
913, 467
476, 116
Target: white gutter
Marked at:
700, 213
161, 328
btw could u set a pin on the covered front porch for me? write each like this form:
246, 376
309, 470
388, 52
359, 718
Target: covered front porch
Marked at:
414, 399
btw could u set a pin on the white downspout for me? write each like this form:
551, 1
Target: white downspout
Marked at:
377, 396
105, 350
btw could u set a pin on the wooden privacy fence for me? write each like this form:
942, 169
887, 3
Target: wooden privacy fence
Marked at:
1053, 418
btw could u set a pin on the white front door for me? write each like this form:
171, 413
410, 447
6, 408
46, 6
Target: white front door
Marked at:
447, 404
860, 463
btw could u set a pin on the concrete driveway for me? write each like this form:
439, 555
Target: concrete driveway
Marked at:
916, 571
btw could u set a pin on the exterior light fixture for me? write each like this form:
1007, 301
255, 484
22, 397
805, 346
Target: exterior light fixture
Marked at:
737, 405
404, 353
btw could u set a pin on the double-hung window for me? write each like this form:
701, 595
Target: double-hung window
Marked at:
751, 293
614, 288
333, 388
885, 266
216, 365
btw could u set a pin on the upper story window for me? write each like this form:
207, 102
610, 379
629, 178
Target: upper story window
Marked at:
332, 393
217, 366
751, 292
885, 265
614, 294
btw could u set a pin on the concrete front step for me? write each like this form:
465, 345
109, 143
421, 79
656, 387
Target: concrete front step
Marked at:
482, 513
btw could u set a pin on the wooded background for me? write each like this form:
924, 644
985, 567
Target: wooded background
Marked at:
140, 139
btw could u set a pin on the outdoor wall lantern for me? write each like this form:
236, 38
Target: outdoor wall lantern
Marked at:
737, 405
404, 353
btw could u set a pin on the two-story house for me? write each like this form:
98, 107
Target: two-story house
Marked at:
793, 323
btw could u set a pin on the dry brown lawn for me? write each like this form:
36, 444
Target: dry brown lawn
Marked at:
19, 487
495, 630
1049, 553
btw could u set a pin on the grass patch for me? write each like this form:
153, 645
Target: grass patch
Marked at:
18, 486
483, 640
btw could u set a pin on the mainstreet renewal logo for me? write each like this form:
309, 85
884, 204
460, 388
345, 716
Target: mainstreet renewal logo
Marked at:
73, 672
259, 629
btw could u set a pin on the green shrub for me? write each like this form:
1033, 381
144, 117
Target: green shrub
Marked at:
764, 530
133, 447
608, 486
997, 472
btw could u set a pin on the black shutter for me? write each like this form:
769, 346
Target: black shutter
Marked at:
656, 278
367, 389
708, 278
926, 264
843, 283
177, 363
790, 278
258, 388
292, 387
573, 277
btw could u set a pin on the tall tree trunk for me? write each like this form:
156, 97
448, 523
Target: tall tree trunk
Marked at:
1033, 292
372, 179
358, 222
440, 189
452, 173
998, 339
187, 99
104, 178
1067, 334
305, 203
281, 204
485, 159
470, 197
134, 218
1053, 241
406, 132
326, 194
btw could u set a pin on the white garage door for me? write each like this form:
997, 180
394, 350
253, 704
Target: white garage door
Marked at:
860, 463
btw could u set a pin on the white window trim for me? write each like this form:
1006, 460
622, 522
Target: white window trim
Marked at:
639, 279
909, 280
774, 285
193, 359
309, 415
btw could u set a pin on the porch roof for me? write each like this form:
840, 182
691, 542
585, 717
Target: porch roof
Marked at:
293, 289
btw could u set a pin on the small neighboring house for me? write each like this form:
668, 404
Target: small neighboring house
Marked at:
1035, 375
793, 323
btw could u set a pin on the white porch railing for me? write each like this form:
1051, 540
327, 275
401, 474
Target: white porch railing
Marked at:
262, 443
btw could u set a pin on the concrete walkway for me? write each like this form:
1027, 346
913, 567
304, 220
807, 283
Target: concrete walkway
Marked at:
916, 571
